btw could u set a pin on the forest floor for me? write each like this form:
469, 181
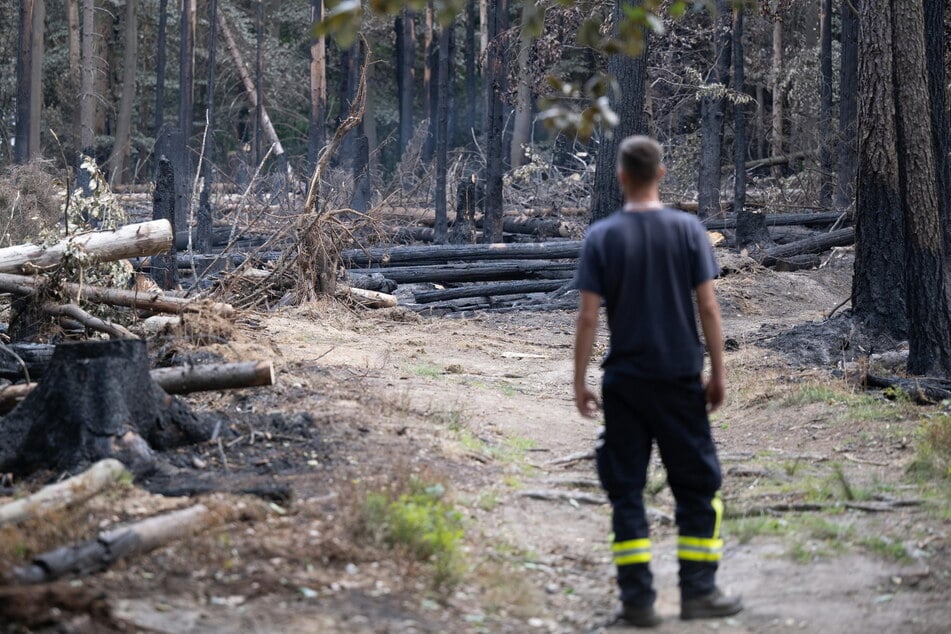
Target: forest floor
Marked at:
472, 413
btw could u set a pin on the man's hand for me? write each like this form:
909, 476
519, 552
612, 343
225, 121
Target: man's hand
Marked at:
715, 391
586, 401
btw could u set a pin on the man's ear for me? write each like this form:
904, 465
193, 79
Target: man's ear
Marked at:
621, 177
661, 172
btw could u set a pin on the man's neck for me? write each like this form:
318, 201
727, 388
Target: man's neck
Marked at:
642, 201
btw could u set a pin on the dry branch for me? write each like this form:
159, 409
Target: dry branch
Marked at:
154, 301
77, 314
146, 238
63, 494
113, 545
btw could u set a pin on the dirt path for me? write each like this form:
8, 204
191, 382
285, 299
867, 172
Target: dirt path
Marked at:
505, 379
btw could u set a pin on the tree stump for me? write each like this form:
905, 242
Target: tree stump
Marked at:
95, 401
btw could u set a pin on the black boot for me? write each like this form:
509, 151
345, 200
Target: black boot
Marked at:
641, 616
710, 606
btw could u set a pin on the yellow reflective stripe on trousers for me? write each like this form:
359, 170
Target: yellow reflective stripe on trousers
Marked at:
717, 504
699, 548
632, 551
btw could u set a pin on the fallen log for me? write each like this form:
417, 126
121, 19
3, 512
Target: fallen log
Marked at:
146, 238
186, 379
479, 272
925, 391
220, 236
110, 546
539, 227
815, 244
70, 492
442, 253
34, 356
488, 290
778, 220
214, 376
798, 263
376, 282
152, 300
371, 299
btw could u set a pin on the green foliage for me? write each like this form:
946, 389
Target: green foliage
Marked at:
422, 524
885, 547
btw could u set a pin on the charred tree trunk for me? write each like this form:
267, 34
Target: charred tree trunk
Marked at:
258, 81
160, 63
776, 85
430, 86
848, 105
24, 72
711, 118
87, 97
522, 125
97, 400
165, 267
205, 220
186, 71
631, 74
878, 283
405, 55
316, 133
750, 227
442, 133
37, 42
936, 49
495, 89
929, 318
470, 54
120, 149
826, 138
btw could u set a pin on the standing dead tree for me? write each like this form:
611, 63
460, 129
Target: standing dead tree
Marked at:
312, 253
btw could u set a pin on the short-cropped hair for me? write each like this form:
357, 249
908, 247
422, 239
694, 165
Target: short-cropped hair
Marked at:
640, 158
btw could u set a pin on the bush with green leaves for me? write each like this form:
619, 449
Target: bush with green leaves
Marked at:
422, 524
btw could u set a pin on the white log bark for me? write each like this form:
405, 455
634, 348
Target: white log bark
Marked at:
63, 494
147, 238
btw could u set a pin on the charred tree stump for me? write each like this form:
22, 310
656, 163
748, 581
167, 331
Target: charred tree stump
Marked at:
97, 400
164, 271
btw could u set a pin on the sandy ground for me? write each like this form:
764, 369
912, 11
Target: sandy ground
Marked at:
483, 405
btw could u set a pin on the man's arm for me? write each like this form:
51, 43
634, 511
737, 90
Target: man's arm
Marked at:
713, 334
587, 329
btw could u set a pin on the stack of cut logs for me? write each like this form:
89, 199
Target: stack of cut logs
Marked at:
450, 278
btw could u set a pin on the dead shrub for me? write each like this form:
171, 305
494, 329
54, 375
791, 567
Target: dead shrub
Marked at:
31, 195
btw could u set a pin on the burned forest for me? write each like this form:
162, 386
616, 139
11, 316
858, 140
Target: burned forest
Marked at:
290, 292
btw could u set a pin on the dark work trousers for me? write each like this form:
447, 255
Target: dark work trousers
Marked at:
672, 412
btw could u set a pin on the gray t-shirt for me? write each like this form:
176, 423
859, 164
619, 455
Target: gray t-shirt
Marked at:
646, 265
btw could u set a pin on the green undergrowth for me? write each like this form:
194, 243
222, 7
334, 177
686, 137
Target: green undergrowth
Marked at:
932, 461
853, 405
421, 523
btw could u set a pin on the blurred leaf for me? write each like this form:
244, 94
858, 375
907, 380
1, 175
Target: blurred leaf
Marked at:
342, 22
533, 19
589, 33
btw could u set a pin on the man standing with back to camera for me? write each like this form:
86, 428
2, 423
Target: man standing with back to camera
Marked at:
646, 261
